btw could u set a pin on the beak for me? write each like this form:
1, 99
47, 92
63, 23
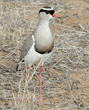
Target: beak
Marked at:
54, 15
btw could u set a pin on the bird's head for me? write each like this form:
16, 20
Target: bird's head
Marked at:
47, 13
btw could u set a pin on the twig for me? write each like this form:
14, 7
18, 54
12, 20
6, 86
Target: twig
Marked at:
82, 28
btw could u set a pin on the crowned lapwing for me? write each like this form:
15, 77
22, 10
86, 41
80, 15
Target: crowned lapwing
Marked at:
40, 43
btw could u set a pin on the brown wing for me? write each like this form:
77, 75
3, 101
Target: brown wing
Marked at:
26, 47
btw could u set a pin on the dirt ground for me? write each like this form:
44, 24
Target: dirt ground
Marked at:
65, 77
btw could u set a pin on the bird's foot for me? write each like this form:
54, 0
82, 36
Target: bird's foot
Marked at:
22, 99
41, 100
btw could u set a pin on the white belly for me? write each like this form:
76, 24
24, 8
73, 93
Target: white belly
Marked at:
34, 57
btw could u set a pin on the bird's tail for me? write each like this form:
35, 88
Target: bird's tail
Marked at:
18, 67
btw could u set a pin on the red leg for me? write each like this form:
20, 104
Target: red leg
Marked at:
40, 84
28, 75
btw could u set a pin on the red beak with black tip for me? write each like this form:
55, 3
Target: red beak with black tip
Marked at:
54, 15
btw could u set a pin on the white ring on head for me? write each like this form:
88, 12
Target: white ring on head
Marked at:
47, 8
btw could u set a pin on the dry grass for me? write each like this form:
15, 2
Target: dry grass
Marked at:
65, 78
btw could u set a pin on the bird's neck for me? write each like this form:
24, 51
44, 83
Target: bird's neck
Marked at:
43, 23
43, 37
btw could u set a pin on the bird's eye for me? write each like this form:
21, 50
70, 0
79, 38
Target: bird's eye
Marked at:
47, 12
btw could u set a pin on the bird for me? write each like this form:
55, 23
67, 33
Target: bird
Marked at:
39, 44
